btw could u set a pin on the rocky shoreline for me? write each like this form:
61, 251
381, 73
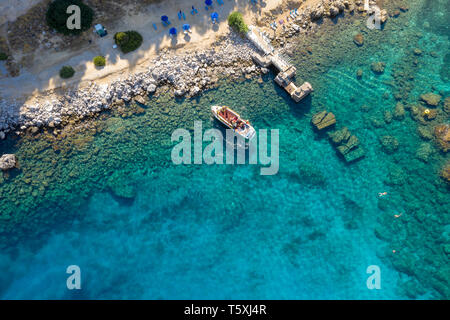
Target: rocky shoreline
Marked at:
187, 74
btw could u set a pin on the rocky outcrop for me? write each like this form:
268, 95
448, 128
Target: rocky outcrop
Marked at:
425, 133
317, 13
447, 105
339, 136
383, 16
445, 173
399, 111
346, 144
8, 161
431, 99
389, 144
429, 114
378, 67
424, 152
442, 135
323, 120
358, 39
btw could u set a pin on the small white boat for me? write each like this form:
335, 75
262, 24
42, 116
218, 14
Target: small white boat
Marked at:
233, 120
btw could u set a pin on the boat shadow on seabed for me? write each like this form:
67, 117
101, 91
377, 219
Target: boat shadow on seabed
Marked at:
236, 144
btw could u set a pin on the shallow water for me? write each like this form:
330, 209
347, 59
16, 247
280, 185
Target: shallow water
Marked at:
225, 231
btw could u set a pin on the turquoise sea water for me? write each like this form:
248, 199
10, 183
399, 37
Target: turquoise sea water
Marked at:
105, 195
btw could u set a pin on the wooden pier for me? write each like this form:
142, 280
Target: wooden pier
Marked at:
271, 57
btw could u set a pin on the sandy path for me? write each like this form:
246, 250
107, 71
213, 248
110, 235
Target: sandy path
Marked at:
11, 9
43, 76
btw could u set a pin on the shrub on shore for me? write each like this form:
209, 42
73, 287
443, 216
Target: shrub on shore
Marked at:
66, 72
57, 16
99, 61
236, 21
3, 56
128, 41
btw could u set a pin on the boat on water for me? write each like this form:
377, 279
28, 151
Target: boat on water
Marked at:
233, 120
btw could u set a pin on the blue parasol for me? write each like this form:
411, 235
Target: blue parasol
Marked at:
186, 26
165, 18
173, 31
208, 2
214, 16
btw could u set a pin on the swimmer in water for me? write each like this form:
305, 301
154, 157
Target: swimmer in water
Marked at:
380, 194
398, 215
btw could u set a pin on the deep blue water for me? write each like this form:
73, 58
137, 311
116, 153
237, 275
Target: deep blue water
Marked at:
225, 231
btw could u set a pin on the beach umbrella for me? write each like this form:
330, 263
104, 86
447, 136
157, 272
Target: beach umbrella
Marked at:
186, 26
164, 18
208, 2
214, 16
173, 31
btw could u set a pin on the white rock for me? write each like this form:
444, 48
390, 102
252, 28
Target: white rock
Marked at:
8, 161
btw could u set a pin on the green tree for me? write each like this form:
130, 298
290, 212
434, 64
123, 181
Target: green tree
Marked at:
66, 72
236, 21
128, 41
99, 61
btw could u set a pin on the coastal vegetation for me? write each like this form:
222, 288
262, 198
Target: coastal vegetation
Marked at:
128, 41
3, 56
236, 21
66, 72
99, 61
57, 16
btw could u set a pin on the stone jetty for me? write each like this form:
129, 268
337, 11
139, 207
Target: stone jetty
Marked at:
270, 56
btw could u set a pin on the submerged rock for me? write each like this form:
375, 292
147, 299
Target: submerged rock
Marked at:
447, 105
378, 67
425, 133
359, 73
445, 173
387, 116
354, 155
389, 144
352, 143
347, 144
431, 99
151, 88
429, 114
395, 176
339, 136
358, 39
8, 161
424, 152
139, 99
120, 186
442, 134
399, 111
323, 120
